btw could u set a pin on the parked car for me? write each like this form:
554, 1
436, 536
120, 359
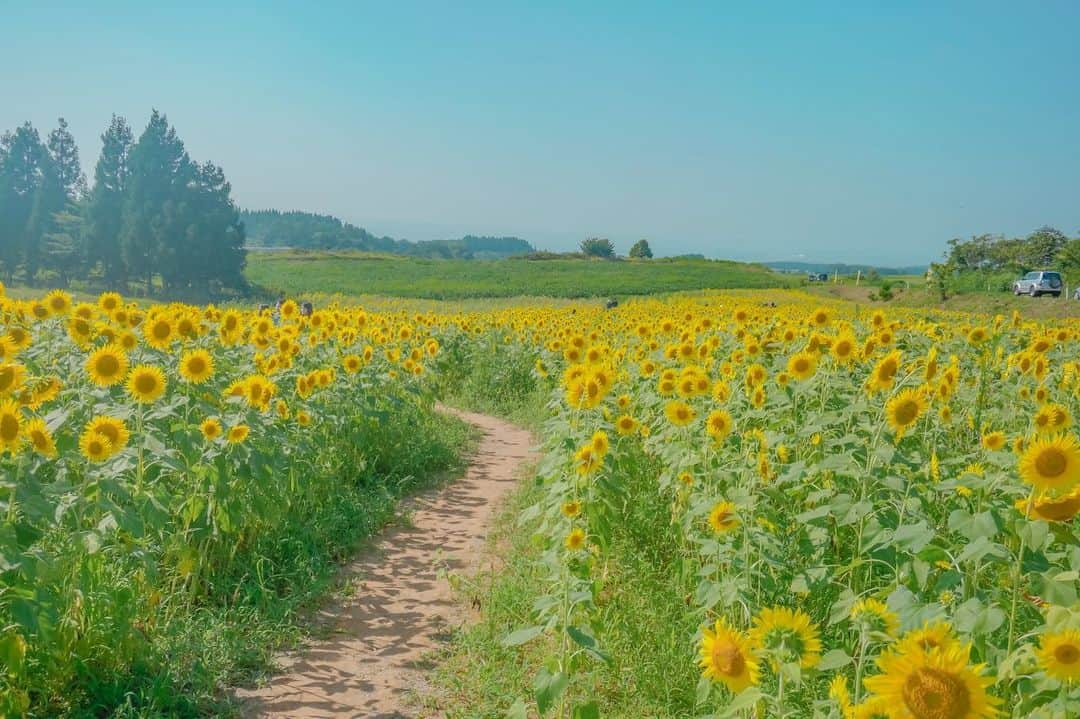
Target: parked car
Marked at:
1039, 282
1076, 294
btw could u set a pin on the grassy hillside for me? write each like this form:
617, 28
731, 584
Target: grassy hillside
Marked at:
297, 273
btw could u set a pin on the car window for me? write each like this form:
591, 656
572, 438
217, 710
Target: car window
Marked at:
1031, 275
1051, 276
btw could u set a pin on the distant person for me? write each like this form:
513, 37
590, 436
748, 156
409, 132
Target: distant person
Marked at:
306, 309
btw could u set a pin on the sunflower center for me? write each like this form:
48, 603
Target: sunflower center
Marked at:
146, 383
728, 660
9, 427
108, 366
1051, 462
1067, 653
906, 412
162, 330
801, 365
196, 365
934, 694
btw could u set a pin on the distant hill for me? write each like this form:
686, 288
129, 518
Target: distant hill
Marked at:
844, 269
309, 231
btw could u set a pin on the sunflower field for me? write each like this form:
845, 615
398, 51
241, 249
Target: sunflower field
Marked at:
170, 472
872, 512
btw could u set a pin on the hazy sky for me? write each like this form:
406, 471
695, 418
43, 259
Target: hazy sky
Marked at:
864, 131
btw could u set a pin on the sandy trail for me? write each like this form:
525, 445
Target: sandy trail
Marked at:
368, 662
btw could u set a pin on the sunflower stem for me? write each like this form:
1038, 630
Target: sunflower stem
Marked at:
1017, 571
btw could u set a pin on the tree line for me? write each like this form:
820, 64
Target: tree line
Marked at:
309, 231
152, 216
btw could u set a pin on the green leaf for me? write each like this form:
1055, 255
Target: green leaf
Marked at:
587, 711
12, 652
549, 687
522, 635
834, 659
517, 710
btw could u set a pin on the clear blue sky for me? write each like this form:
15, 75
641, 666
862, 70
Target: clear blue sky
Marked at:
858, 132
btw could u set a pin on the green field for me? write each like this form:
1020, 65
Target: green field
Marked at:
299, 273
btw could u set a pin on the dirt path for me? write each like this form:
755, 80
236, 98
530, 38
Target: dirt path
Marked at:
368, 663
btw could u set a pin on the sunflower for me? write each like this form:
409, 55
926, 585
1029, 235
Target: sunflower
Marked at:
587, 460
994, 441
159, 332
719, 424
1051, 464
802, 365
1059, 655
1050, 508
58, 302
626, 425
95, 447
196, 366
353, 363
938, 684
112, 429
787, 635
238, 433
884, 373
726, 657
679, 413
904, 410
11, 426
876, 615
722, 518
12, 376
107, 365
303, 418
600, 442
571, 509
843, 348
575, 540
938, 635
110, 302
146, 383
40, 437
211, 428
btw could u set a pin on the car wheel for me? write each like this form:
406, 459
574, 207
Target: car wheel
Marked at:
1032, 292
1057, 294
1016, 290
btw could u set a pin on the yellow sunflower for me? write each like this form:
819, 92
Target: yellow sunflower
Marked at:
107, 365
211, 428
158, 332
575, 540
11, 426
802, 366
196, 366
994, 441
929, 637
600, 442
112, 429
40, 437
722, 518
876, 615
571, 509
1051, 464
1059, 655
904, 410
626, 425
238, 433
95, 447
12, 376
726, 657
884, 373
787, 635
938, 684
719, 424
843, 348
1052, 508
679, 413
146, 383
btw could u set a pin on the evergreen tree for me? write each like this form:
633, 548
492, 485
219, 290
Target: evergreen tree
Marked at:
641, 250
50, 199
65, 156
153, 229
20, 174
597, 247
104, 211
213, 236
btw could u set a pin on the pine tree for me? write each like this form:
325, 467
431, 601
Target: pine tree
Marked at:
65, 156
20, 175
153, 229
50, 199
104, 211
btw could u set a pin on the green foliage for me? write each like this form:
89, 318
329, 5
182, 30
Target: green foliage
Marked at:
641, 250
364, 274
305, 230
597, 247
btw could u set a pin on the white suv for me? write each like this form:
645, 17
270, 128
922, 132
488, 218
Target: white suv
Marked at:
1040, 282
